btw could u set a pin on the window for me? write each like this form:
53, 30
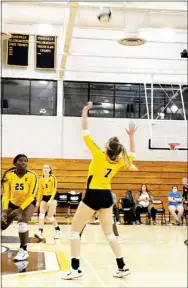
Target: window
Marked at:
129, 100
167, 103
125, 100
43, 97
75, 97
102, 93
29, 97
15, 98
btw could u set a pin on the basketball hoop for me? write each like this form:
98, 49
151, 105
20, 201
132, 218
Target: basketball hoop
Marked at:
173, 145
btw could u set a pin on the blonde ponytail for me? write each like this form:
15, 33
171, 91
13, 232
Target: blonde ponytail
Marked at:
128, 164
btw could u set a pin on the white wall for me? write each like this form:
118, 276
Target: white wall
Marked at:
36, 136
60, 137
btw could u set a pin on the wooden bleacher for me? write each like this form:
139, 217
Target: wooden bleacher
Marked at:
72, 175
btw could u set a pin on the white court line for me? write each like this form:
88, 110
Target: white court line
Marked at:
51, 261
95, 273
25, 273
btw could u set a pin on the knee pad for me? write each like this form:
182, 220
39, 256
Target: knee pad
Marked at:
41, 215
110, 237
23, 227
51, 219
74, 235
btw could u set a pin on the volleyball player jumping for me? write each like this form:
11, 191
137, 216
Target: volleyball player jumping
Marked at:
98, 197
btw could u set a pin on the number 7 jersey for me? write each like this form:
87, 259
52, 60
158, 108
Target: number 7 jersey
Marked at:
101, 168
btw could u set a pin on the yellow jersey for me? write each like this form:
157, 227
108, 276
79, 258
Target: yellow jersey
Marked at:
47, 187
101, 168
19, 191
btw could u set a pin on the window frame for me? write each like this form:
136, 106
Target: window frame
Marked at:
30, 79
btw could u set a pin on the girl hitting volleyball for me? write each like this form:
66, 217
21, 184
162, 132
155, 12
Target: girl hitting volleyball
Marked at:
98, 197
46, 200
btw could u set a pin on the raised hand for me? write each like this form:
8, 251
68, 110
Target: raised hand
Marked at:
132, 129
88, 106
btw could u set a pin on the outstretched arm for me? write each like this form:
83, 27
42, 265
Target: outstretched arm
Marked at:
85, 116
94, 149
131, 131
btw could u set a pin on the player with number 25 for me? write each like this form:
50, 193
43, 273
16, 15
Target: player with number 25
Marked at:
19, 192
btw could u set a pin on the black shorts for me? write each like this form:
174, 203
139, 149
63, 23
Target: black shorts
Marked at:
98, 199
12, 206
46, 198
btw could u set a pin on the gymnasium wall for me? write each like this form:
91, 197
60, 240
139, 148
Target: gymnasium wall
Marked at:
60, 137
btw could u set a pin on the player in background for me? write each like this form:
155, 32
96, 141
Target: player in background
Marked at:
46, 200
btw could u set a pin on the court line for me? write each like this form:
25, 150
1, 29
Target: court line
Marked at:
51, 261
63, 260
96, 274
28, 273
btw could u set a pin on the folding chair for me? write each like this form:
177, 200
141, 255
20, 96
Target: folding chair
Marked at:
160, 210
62, 200
73, 201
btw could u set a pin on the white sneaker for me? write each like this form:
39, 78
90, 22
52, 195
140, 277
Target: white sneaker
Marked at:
22, 266
72, 274
118, 223
122, 272
57, 234
96, 221
21, 255
118, 239
38, 235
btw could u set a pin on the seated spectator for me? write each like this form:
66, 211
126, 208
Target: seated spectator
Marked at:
175, 204
128, 202
144, 204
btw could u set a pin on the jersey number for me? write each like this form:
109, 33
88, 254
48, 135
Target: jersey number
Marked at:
108, 172
46, 185
19, 186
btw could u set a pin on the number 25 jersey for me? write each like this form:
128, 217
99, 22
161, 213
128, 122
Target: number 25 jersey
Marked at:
19, 191
101, 168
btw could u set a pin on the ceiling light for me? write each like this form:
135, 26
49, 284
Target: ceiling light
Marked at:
43, 111
174, 109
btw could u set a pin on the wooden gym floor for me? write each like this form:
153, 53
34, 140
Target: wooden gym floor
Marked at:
157, 257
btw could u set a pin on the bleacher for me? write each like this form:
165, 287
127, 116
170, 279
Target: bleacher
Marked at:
72, 175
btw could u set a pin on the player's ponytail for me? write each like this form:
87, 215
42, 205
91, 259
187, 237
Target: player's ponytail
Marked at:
128, 163
3, 180
115, 148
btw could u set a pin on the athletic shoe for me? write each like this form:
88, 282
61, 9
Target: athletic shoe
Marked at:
57, 234
21, 266
118, 239
21, 255
118, 223
122, 272
72, 274
38, 235
96, 221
